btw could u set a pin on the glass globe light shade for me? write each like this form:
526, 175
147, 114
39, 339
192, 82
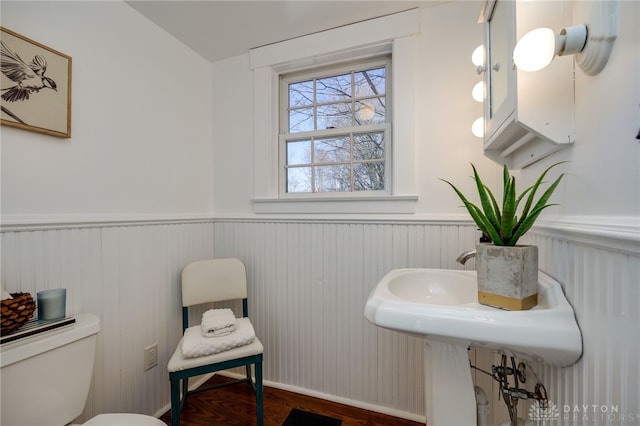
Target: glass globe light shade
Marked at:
477, 93
477, 128
478, 55
535, 50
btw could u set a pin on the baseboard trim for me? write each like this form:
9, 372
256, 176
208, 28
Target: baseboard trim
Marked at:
345, 401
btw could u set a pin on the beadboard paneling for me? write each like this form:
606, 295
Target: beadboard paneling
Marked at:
308, 286
603, 286
129, 277
308, 282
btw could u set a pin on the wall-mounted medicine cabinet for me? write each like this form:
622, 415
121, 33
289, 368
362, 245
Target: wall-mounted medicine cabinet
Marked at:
527, 115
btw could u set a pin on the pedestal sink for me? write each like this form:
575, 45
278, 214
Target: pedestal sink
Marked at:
442, 306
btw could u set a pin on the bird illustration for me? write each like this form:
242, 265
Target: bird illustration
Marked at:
28, 78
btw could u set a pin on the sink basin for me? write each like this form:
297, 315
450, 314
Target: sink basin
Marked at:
442, 305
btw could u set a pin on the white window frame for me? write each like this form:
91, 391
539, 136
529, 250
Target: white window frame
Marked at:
385, 128
392, 34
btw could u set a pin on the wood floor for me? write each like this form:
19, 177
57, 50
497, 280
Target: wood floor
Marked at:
235, 406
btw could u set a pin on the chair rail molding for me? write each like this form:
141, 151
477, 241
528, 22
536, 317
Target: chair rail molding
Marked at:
25, 222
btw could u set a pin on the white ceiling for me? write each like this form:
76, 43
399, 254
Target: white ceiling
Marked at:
219, 29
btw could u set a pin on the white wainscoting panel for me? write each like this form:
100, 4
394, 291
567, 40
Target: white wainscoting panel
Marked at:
129, 277
308, 286
603, 286
308, 282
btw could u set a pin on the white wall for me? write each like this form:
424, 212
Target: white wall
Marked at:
141, 123
444, 111
593, 231
602, 176
140, 150
601, 179
107, 267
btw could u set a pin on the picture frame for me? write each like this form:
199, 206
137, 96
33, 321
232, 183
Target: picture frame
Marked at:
35, 86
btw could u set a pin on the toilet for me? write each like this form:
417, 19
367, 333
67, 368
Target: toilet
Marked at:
45, 378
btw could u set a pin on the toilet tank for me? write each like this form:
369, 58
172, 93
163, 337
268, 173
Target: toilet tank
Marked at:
45, 378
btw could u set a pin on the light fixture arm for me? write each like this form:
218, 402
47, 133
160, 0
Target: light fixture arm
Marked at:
572, 40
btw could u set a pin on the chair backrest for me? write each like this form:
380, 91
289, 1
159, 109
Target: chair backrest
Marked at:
213, 280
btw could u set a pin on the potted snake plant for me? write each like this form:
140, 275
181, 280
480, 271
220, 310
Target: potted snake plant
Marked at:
507, 272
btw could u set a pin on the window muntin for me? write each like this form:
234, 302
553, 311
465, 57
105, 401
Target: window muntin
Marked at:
336, 136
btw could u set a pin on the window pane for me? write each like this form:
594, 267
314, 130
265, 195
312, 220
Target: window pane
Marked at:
368, 176
333, 89
370, 82
299, 179
299, 152
371, 111
301, 120
368, 146
353, 102
333, 178
331, 150
301, 94
334, 116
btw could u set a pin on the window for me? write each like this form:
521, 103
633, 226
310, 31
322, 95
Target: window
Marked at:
334, 125
390, 38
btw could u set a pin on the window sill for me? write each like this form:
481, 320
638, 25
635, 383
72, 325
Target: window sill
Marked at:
399, 204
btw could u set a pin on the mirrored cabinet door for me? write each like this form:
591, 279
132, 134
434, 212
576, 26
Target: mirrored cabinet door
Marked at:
498, 56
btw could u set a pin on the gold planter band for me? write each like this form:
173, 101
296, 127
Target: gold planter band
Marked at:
508, 303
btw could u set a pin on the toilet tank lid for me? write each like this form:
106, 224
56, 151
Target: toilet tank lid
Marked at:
85, 326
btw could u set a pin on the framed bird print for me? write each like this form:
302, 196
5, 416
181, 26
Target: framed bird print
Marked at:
35, 86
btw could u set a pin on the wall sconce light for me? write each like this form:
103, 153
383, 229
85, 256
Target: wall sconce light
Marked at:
477, 93
477, 128
537, 48
478, 59
591, 43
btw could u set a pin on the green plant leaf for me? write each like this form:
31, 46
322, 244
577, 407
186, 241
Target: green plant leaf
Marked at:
485, 200
496, 208
506, 177
527, 224
533, 189
508, 211
503, 225
483, 223
477, 215
522, 227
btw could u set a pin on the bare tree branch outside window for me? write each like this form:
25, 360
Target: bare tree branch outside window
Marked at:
343, 161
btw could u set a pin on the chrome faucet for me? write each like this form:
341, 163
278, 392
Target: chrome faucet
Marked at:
464, 256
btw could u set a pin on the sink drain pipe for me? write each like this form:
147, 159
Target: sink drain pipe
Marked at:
482, 406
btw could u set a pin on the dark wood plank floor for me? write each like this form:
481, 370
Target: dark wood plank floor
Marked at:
235, 406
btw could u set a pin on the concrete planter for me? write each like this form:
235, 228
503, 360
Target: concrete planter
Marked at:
507, 276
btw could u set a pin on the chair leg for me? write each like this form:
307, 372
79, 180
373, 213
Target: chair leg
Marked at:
259, 405
175, 402
185, 392
249, 379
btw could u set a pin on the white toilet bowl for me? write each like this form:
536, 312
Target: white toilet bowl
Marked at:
55, 369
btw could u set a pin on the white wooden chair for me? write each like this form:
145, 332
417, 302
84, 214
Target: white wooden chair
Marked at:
206, 281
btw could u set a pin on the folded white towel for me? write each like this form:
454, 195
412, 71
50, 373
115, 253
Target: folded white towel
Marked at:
218, 322
194, 344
